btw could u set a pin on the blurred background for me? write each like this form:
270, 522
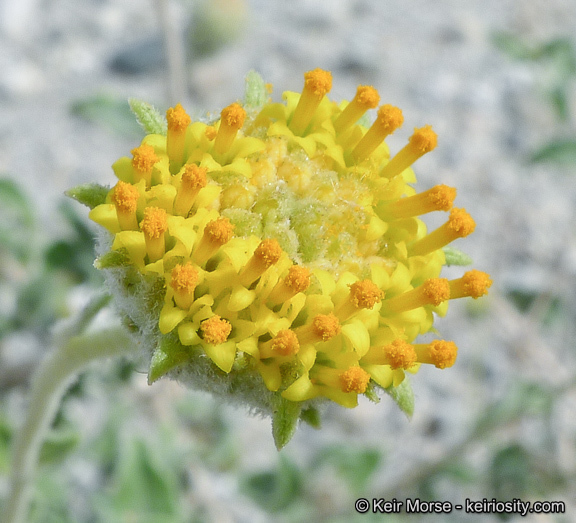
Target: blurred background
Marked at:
496, 79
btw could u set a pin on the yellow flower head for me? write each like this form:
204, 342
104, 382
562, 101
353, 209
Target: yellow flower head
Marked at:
279, 252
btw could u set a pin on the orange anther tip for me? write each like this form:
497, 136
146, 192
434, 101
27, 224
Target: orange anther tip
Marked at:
442, 197
219, 231
125, 197
318, 81
355, 379
476, 283
365, 294
210, 132
194, 177
298, 278
424, 139
178, 119
269, 252
215, 330
184, 278
155, 222
389, 118
326, 326
233, 116
286, 343
367, 96
144, 158
461, 222
437, 290
443, 353
400, 354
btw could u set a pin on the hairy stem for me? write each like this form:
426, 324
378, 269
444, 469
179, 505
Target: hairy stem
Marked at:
51, 380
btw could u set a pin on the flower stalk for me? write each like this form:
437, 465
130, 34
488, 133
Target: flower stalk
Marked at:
53, 377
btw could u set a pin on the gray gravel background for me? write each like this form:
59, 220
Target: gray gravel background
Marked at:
435, 60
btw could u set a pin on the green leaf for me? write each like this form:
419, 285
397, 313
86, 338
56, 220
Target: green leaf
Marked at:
50, 499
522, 399
284, 422
58, 445
276, 489
510, 472
561, 51
560, 103
76, 254
513, 46
5, 444
169, 354
255, 95
65, 256
559, 152
148, 117
311, 416
89, 194
145, 483
16, 221
42, 301
110, 112
355, 465
371, 394
456, 257
403, 395
113, 259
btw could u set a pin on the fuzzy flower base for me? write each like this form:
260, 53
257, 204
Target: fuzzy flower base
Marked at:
276, 256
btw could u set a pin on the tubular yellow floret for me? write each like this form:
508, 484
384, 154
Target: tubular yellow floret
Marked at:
399, 355
322, 328
268, 252
210, 132
440, 353
326, 326
432, 292
265, 255
231, 121
215, 330
178, 119
125, 199
216, 233
193, 179
363, 295
474, 283
366, 98
144, 158
436, 290
219, 231
438, 198
178, 122
285, 343
355, 379
389, 118
154, 225
183, 280
317, 84
297, 280
459, 225
421, 142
